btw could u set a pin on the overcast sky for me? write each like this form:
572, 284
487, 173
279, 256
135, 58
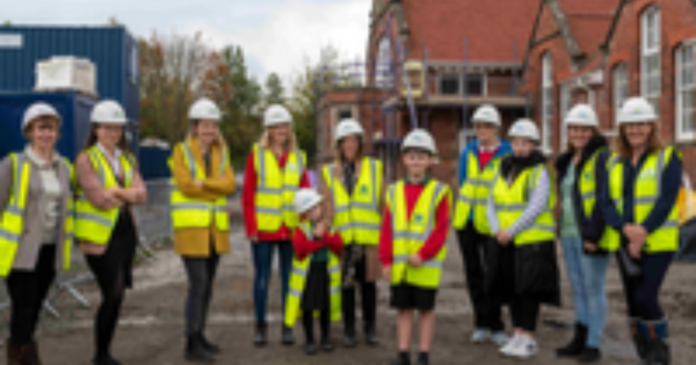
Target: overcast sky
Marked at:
277, 35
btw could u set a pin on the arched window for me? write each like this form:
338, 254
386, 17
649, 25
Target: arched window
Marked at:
547, 101
384, 70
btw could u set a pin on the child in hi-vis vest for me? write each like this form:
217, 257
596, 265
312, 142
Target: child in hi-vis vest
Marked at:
412, 243
315, 281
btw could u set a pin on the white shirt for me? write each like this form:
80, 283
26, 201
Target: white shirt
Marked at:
489, 149
114, 161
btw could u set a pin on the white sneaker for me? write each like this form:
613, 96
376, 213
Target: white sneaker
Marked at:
481, 336
512, 343
526, 348
500, 338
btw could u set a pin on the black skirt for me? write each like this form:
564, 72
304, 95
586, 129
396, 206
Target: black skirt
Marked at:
536, 272
316, 295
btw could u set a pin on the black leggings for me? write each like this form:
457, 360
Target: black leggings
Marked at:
113, 273
324, 321
201, 275
368, 294
525, 312
28, 290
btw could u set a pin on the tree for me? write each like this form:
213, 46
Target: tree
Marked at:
275, 92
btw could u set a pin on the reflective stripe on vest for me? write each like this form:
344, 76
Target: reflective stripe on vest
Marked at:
473, 194
512, 200
647, 190
357, 216
94, 225
12, 223
587, 185
410, 234
197, 213
276, 188
298, 280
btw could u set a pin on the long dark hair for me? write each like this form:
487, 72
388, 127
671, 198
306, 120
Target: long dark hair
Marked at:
92, 139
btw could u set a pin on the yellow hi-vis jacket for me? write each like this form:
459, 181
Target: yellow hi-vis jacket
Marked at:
474, 192
587, 185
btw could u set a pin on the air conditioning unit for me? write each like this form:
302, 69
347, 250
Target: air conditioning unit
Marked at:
66, 73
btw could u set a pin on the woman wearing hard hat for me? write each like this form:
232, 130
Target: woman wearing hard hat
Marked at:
108, 185
275, 170
520, 212
203, 178
639, 205
315, 282
477, 165
581, 171
353, 187
412, 246
36, 227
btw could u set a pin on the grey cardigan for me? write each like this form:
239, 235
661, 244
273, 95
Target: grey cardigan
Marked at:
31, 239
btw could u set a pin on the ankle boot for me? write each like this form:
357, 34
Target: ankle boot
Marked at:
288, 339
33, 354
577, 344
349, 338
658, 352
371, 335
14, 353
195, 352
209, 346
260, 335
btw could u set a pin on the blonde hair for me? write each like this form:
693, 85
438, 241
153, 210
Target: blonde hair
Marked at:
624, 149
265, 141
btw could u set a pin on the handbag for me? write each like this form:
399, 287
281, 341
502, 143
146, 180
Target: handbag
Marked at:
629, 264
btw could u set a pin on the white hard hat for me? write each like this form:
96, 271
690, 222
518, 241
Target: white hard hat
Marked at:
37, 110
204, 109
306, 199
582, 115
487, 114
108, 112
524, 128
276, 114
348, 127
636, 110
419, 139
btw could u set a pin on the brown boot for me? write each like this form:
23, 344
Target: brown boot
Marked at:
32, 354
16, 355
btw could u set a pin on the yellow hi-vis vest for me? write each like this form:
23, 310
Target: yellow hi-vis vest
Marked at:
646, 191
473, 193
298, 280
94, 225
12, 223
357, 216
512, 200
276, 188
587, 185
197, 213
409, 235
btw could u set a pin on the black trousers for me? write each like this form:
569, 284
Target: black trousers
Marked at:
487, 304
201, 276
643, 293
112, 271
525, 312
27, 291
368, 295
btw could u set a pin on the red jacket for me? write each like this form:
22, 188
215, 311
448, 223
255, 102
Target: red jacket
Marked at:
305, 246
437, 238
250, 180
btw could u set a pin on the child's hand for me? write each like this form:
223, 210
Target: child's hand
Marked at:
415, 260
386, 273
320, 229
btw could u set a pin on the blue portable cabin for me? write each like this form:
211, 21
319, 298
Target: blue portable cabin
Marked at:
112, 49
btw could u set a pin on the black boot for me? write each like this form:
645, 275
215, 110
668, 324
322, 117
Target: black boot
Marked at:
326, 344
590, 355
195, 352
658, 352
349, 338
15, 354
209, 346
577, 344
403, 358
311, 348
105, 360
260, 335
371, 335
33, 354
288, 339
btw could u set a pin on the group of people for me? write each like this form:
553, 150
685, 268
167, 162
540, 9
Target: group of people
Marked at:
337, 237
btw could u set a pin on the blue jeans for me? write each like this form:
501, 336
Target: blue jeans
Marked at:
587, 275
262, 252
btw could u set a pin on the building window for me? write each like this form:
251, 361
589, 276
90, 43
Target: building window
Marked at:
620, 88
475, 84
384, 72
565, 107
547, 101
650, 57
686, 92
449, 84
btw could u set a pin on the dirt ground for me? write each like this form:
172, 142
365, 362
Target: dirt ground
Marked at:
151, 327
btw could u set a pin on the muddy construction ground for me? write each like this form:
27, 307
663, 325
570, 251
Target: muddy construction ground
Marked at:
151, 326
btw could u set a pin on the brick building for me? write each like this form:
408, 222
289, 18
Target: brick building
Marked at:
455, 54
604, 51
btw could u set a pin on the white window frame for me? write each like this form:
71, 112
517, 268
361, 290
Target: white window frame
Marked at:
566, 91
547, 88
648, 51
619, 80
680, 89
384, 78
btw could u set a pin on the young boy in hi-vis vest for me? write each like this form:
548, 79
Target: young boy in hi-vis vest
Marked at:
412, 243
315, 281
